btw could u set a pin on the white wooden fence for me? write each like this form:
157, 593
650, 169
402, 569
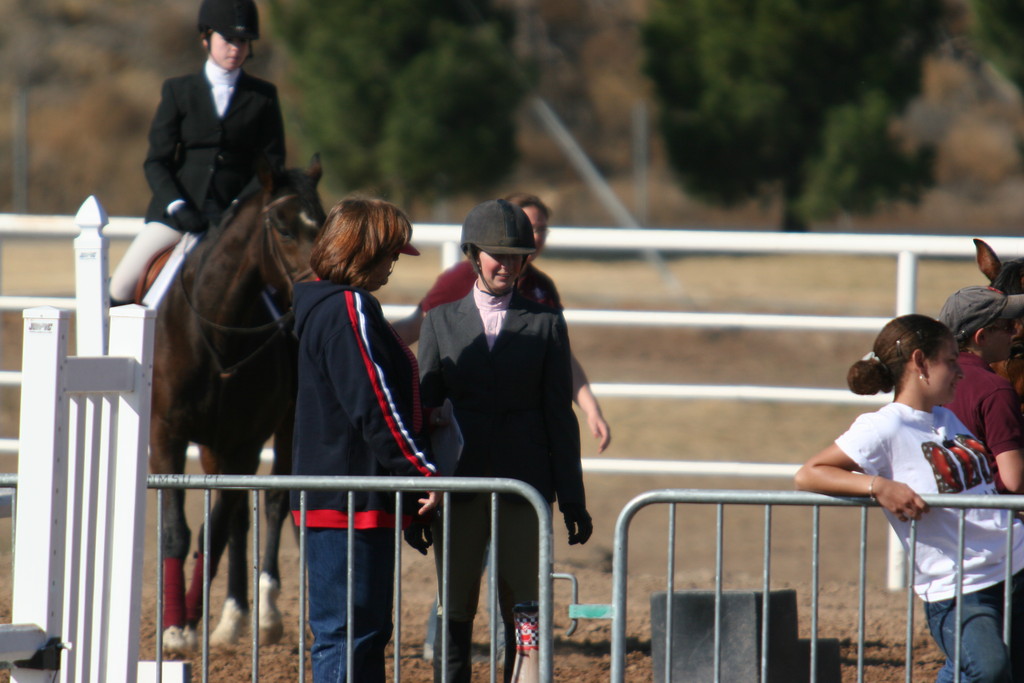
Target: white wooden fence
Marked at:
84, 424
906, 250
81, 503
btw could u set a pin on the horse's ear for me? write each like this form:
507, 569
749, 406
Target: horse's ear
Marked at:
988, 262
315, 170
265, 173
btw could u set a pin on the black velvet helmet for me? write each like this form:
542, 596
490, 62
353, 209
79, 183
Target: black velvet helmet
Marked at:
498, 227
230, 18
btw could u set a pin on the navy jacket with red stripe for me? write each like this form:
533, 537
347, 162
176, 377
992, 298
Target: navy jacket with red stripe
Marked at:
358, 410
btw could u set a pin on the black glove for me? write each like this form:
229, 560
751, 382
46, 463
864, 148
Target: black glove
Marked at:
577, 521
187, 219
419, 536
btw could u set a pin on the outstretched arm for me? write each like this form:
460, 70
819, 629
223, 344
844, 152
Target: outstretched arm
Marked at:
585, 399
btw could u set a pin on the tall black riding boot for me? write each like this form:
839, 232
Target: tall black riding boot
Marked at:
510, 650
460, 653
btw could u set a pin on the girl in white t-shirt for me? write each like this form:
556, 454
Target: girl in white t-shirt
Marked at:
914, 446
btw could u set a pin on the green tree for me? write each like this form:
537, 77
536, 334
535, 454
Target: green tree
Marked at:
409, 98
795, 97
996, 28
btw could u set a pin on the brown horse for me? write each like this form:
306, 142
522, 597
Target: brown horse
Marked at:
224, 378
1009, 278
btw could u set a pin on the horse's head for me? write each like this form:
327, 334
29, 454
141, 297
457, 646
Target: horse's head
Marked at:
1009, 278
292, 216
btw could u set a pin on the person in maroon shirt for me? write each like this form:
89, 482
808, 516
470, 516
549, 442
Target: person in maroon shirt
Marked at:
983, 320
455, 283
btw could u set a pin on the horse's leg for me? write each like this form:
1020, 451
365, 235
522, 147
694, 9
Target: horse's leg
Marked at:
167, 456
235, 613
218, 528
277, 507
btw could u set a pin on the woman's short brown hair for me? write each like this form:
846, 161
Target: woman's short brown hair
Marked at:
357, 235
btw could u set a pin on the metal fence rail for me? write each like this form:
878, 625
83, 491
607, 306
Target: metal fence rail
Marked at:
397, 485
770, 499
617, 610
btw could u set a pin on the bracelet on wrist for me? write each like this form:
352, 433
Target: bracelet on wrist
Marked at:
871, 489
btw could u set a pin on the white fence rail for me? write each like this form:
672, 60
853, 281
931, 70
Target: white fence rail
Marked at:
84, 422
907, 250
90, 236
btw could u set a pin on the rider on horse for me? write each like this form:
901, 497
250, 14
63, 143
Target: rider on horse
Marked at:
208, 132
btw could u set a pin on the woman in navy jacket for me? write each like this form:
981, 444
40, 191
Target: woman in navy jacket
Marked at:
358, 413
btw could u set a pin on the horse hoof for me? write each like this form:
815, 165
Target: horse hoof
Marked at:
180, 640
271, 625
271, 633
231, 626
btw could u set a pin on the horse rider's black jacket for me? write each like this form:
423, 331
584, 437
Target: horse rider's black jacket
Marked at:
208, 161
358, 410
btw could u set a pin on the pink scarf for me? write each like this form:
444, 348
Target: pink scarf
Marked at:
492, 312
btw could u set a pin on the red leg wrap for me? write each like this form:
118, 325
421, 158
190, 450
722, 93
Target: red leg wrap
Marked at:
174, 592
194, 599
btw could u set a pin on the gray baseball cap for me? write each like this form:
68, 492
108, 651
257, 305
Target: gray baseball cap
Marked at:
969, 309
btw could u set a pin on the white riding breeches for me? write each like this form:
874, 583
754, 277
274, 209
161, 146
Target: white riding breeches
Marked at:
151, 239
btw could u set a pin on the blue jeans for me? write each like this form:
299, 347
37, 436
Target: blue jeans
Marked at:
983, 655
372, 597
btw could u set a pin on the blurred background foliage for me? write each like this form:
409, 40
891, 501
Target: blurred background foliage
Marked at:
879, 115
409, 99
791, 98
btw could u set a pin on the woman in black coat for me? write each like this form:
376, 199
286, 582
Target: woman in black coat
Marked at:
208, 132
505, 364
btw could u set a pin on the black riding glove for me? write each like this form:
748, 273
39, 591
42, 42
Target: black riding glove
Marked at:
577, 521
187, 219
419, 536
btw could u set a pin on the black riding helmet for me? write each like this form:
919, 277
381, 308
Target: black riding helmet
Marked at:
498, 227
230, 18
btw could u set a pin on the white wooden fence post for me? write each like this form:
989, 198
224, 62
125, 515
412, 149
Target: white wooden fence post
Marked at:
91, 268
42, 481
131, 335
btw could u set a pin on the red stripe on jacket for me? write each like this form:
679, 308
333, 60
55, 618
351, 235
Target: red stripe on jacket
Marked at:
355, 316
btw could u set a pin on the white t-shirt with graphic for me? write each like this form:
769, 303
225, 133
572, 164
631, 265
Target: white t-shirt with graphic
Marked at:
934, 453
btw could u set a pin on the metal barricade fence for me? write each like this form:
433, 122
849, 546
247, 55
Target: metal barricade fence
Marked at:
398, 485
617, 611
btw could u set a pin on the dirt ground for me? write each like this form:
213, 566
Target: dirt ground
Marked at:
649, 429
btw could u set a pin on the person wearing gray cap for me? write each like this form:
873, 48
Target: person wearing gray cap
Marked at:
504, 362
983, 321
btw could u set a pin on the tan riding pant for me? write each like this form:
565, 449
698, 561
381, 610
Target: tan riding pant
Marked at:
151, 239
517, 554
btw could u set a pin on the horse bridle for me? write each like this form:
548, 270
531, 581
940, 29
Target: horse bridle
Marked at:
280, 324
271, 245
